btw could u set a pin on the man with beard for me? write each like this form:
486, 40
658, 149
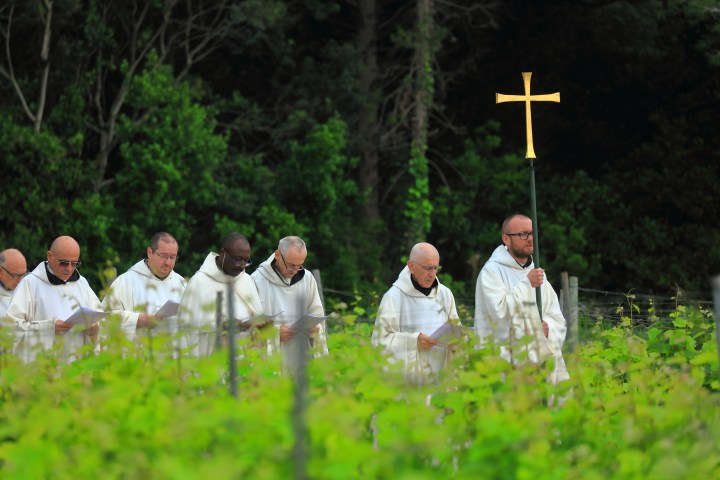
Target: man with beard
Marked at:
197, 311
139, 293
506, 310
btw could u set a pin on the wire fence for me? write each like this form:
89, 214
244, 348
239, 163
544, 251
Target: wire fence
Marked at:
612, 306
593, 305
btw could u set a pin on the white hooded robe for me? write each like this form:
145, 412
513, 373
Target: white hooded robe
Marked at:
35, 306
403, 315
506, 313
294, 301
197, 311
139, 291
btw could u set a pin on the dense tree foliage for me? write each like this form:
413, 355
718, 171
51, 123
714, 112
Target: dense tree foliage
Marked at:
277, 117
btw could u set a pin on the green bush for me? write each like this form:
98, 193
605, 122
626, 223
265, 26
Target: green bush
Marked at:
632, 409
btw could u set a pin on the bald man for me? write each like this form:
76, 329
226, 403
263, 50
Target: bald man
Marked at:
48, 296
13, 268
416, 305
219, 271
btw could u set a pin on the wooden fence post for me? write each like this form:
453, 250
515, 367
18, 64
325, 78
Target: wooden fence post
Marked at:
564, 294
569, 306
316, 274
574, 313
716, 304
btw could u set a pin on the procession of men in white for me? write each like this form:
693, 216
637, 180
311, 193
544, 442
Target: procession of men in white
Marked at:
416, 325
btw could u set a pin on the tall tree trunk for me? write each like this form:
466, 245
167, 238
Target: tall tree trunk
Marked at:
418, 204
9, 72
368, 124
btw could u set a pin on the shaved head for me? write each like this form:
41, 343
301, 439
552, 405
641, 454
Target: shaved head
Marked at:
64, 257
234, 254
424, 253
14, 267
65, 243
12, 258
232, 238
424, 263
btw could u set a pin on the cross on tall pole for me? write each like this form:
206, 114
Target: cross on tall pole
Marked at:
530, 154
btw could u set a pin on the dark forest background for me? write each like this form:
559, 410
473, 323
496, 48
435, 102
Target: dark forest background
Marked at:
366, 126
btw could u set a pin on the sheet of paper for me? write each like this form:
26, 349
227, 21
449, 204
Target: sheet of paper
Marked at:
85, 316
257, 320
262, 319
170, 309
447, 332
307, 322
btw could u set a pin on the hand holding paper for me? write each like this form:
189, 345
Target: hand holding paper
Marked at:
257, 321
85, 316
447, 333
308, 322
170, 309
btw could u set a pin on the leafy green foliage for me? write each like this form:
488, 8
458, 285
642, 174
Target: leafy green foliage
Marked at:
260, 132
39, 200
630, 411
168, 163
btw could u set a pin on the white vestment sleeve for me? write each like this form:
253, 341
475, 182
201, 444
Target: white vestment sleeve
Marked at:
401, 346
22, 311
510, 315
115, 302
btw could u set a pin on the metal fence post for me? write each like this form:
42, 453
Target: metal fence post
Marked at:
218, 321
232, 355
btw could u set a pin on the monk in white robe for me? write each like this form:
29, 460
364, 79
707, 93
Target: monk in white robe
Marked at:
5, 296
44, 299
138, 294
197, 314
13, 268
412, 309
285, 287
506, 310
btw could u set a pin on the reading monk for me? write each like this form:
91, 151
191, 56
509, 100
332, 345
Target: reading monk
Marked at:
412, 309
219, 271
286, 288
138, 294
52, 292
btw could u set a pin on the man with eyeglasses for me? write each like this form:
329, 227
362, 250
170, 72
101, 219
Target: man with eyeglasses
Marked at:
415, 307
285, 286
50, 294
139, 293
506, 310
13, 268
197, 314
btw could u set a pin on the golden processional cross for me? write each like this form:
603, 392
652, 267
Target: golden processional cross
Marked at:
527, 98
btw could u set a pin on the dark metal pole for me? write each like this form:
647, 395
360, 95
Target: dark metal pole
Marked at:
218, 321
299, 348
232, 356
536, 238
